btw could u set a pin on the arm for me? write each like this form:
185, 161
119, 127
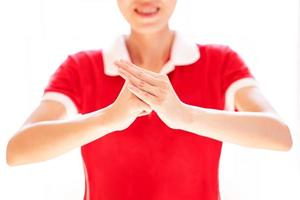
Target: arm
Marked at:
46, 134
257, 126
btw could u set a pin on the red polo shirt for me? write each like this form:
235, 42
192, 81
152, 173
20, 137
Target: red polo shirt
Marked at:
149, 160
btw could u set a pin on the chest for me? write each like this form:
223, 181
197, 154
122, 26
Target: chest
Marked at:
148, 141
194, 84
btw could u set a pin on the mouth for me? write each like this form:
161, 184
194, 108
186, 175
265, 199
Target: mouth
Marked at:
147, 11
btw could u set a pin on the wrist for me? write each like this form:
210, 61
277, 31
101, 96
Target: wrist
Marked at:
106, 119
189, 116
116, 119
185, 117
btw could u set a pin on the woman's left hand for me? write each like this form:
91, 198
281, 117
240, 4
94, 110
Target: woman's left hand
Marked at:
156, 90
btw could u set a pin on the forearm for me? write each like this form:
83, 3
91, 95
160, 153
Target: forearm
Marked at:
252, 129
47, 139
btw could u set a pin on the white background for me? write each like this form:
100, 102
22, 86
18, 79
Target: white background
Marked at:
37, 35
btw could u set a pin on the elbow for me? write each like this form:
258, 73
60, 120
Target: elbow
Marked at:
11, 154
286, 142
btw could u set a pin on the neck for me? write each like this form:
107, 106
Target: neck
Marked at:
150, 51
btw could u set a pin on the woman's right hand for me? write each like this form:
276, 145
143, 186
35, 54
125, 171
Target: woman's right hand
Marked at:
127, 107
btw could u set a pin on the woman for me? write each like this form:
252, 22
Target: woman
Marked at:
155, 111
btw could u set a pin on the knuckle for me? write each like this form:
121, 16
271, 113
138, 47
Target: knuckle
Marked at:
165, 83
163, 76
155, 102
162, 97
141, 83
140, 74
160, 76
161, 91
164, 89
159, 101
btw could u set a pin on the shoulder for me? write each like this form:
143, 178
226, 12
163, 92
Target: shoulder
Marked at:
214, 53
218, 52
221, 49
83, 63
84, 56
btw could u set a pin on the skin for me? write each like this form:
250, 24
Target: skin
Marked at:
48, 132
257, 126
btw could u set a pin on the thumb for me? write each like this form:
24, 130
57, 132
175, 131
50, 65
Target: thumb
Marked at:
147, 110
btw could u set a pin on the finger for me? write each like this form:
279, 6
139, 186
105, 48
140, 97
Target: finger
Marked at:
143, 95
139, 83
146, 75
123, 75
147, 109
144, 113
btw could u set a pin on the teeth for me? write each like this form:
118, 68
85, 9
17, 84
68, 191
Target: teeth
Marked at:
147, 10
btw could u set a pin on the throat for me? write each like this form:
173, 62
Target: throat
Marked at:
150, 59
151, 63
150, 52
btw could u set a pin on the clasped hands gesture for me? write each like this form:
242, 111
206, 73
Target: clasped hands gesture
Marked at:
144, 91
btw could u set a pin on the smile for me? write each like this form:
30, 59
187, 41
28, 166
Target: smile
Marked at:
147, 11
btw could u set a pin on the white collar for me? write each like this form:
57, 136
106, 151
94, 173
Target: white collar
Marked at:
183, 53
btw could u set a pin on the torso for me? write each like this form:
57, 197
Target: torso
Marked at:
149, 160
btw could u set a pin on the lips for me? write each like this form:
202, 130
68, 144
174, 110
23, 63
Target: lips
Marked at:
147, 11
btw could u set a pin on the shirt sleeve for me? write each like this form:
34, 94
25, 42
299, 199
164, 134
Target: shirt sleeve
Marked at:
235, 75
64, 86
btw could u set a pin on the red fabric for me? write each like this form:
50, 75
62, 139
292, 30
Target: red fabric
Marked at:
149, 160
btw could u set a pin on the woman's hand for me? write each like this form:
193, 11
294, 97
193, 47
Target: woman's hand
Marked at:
154, 89
127, 107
